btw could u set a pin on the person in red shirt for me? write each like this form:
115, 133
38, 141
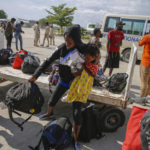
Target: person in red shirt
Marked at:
114, 42
145, 66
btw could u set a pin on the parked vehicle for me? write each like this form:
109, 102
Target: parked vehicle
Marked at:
91, 26
135, 27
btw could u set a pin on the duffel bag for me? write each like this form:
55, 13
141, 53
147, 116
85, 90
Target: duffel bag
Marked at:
30, 64
4, 56
19, 59
25, 97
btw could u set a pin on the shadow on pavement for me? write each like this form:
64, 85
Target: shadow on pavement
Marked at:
16, 138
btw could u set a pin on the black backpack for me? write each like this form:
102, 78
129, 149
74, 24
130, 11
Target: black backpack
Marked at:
30, 64
145, 131
4, 56
117, 82
90, 122
25, 97
56, 134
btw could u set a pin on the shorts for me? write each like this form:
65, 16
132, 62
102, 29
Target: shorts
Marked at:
113, 60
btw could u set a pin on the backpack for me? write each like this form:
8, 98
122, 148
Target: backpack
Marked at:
117, 82
132, 138
90, 128
145, 131
56, 134
19, 59
54, 75
4, 56
30, 64
25, 97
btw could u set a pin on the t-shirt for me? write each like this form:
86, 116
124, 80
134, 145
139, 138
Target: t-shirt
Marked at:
115, 38
146, 52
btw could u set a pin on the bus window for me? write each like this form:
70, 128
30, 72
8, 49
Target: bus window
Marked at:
111, 23
133, 26
147, 27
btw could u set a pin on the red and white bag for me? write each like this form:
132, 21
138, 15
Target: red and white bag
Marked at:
19, 59
132, 138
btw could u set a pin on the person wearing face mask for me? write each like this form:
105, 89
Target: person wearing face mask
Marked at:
114, 42
73, 41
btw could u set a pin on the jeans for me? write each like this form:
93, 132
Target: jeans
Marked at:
18, 36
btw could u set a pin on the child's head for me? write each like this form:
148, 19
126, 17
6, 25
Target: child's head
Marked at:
97, 32
72, 36
91, 52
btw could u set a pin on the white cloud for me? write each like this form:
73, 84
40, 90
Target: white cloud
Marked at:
87, 10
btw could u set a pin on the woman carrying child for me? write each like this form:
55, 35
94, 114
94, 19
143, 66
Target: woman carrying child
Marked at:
73, 41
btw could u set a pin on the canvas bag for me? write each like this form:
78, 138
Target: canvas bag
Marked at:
25, 97
4, 56
19, 59
56, 134
132, 138
117, 82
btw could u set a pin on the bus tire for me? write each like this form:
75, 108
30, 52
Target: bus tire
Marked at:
111, 119
126, 55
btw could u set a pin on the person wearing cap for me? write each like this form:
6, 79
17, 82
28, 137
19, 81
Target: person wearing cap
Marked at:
18, 36
145, 66
9, 32
114, 42
72, 38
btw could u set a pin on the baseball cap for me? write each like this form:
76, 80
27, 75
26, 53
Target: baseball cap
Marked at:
120, 23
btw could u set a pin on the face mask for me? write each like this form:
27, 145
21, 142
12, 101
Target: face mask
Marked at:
120, 28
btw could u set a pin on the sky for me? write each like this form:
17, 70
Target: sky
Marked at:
87, 10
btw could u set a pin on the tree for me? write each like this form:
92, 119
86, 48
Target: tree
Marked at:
61, 15
3, 15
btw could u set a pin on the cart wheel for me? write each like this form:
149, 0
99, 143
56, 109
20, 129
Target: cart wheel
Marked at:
126, 55
111, 119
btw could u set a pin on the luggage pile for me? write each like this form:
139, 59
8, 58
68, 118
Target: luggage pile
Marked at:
20, 60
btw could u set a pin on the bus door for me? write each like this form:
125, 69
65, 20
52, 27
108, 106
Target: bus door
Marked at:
147, 29
133, 32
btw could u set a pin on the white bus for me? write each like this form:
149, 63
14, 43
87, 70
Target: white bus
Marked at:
134, 29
